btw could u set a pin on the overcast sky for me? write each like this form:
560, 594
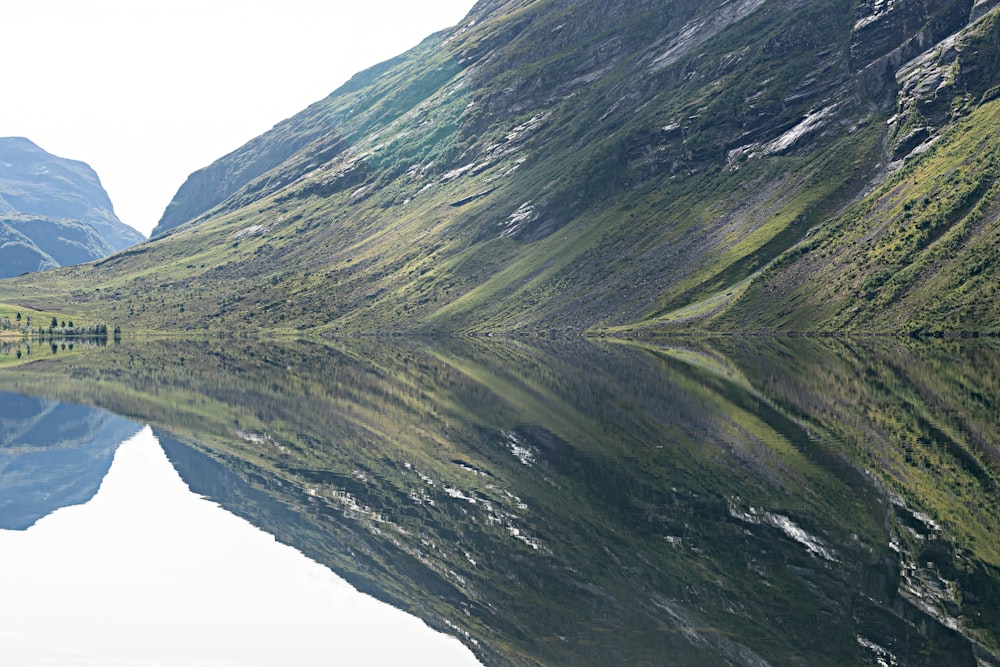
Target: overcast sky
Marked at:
148, 92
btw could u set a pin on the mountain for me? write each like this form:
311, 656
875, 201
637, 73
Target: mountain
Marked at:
919, 253
53, 212
610, 165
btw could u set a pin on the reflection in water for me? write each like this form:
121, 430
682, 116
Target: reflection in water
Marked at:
52, 455
148, 573
770, 502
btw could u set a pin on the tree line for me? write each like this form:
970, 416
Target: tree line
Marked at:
60, 328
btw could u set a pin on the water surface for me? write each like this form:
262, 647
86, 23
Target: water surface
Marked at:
148, 573
743, 502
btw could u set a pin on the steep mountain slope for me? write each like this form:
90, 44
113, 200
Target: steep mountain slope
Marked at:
919, 255
554, 165
20, 254
53, 212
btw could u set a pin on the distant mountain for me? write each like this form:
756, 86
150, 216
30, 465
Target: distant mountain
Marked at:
53, 212
555, 165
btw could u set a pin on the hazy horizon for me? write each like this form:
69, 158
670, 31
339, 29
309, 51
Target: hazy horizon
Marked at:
147, 94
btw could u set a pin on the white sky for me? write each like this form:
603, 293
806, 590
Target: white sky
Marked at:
147, 93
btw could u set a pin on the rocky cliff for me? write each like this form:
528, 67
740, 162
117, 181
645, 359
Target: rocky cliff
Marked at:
918, 253
556, 165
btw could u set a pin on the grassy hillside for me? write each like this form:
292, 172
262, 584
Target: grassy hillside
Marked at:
919, 253
549, 166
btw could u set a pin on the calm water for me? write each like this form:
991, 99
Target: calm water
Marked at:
765, 502
145, 572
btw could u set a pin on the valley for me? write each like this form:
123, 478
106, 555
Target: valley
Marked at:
625, 168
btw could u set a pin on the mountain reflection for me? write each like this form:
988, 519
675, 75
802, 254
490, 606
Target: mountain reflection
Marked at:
52, 455
780, 502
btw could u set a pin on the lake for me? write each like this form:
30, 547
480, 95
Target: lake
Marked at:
790, 501
144, 572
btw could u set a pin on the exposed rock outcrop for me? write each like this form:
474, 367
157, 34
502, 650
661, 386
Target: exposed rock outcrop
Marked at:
944, 81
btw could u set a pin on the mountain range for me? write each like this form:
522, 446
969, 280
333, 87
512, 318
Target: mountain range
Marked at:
53, 212
616, 166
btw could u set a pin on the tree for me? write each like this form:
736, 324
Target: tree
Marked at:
55, 322
18, 318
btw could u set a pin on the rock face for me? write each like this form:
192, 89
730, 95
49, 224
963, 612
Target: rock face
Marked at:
556, 165
962, 66
918, 254
53, 212
904, 26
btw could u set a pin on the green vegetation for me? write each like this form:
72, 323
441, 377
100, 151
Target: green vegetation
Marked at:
29, 335
919, 255
557, 168
551, 169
